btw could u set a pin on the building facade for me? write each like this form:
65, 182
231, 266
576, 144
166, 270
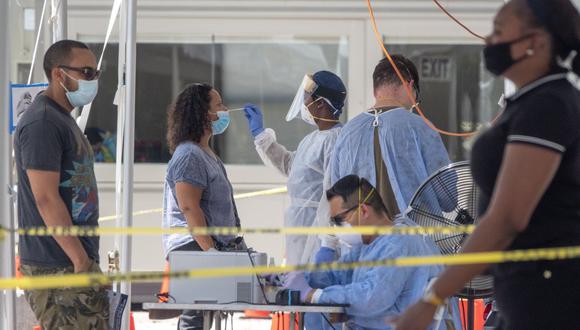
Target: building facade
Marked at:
257, 52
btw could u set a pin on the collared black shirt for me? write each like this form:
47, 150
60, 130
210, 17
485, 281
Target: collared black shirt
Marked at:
546, 114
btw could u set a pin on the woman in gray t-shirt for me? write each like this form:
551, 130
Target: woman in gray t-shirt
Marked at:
197, 191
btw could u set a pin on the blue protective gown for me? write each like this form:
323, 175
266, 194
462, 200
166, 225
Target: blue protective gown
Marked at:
410, 149
377, 293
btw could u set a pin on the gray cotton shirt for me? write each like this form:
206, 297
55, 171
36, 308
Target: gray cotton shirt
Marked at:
190, 164
48, 139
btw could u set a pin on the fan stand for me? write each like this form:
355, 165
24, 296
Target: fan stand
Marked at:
452, 190
470, 312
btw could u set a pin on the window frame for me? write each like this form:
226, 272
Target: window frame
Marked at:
363, 52
166, 30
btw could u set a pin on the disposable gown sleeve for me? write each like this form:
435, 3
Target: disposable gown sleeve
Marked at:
415, 152
436, 157
378, 286
334, 163
433, 149
272, 153
322, 220
323, 210
321, 280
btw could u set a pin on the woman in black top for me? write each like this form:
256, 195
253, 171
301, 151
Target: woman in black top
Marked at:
527, 167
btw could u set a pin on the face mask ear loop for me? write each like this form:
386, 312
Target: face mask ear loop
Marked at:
365, 200
359, 199
62, 84
321, 119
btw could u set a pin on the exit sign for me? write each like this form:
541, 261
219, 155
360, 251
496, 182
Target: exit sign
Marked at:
436, 68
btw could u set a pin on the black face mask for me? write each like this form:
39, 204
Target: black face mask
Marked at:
498, 57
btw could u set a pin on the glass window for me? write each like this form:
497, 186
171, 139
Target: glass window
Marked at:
266, 73
457, 93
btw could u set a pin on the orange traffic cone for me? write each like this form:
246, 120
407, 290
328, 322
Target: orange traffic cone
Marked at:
163, 297
164, 285
478, 318
252, 314
281, 321
17, 266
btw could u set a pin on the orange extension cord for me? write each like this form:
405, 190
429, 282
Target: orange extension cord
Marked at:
407, 89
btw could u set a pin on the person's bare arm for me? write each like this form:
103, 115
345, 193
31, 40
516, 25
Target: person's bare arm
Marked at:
526, 173
44, 185
188, 199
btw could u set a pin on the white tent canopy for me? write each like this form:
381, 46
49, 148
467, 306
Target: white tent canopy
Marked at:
126, 125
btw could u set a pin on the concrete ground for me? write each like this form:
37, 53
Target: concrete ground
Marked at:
142, 322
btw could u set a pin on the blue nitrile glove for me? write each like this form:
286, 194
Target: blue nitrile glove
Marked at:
324, 255
297, 281
255, 120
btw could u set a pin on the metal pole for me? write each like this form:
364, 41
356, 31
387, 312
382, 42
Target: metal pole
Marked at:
129, 144
120, 126
60, 20
7, 297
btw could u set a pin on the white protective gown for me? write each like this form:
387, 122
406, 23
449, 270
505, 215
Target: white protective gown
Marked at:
306, 169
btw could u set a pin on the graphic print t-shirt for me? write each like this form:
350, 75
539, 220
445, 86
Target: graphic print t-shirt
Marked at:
48, 139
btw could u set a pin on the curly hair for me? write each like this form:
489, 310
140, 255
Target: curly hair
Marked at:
187, 117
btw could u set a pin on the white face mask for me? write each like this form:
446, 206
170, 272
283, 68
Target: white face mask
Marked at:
307, 116
351, 239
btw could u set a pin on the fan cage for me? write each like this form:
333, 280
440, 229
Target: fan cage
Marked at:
449, 198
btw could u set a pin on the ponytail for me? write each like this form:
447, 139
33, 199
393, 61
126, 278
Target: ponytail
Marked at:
562, 21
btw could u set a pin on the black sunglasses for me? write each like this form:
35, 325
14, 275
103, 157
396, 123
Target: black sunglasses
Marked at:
88, 72
338, 219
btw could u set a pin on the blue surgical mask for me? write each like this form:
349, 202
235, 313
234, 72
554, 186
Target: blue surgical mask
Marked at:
85, 94
219, 126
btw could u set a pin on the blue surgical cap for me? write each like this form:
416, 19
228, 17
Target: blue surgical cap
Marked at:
331, 87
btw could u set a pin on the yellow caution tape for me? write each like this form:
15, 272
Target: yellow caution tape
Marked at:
84, 280
267, 192
134, 231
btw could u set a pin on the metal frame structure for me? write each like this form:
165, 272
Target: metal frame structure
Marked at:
127, 70
130, 45
8, 297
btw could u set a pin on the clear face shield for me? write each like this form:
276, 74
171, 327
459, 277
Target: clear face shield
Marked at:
306, 89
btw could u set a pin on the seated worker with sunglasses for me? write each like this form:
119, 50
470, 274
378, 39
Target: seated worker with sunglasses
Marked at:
372, 293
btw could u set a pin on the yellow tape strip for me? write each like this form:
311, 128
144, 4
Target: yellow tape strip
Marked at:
84, 280
267, 192
138, 231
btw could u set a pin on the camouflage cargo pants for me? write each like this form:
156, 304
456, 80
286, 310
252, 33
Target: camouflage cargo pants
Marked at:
67, 308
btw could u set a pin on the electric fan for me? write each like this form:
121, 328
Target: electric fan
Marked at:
450, 198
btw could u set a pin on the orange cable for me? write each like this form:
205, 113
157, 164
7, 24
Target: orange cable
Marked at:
403, 81
407, 89
457, 21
